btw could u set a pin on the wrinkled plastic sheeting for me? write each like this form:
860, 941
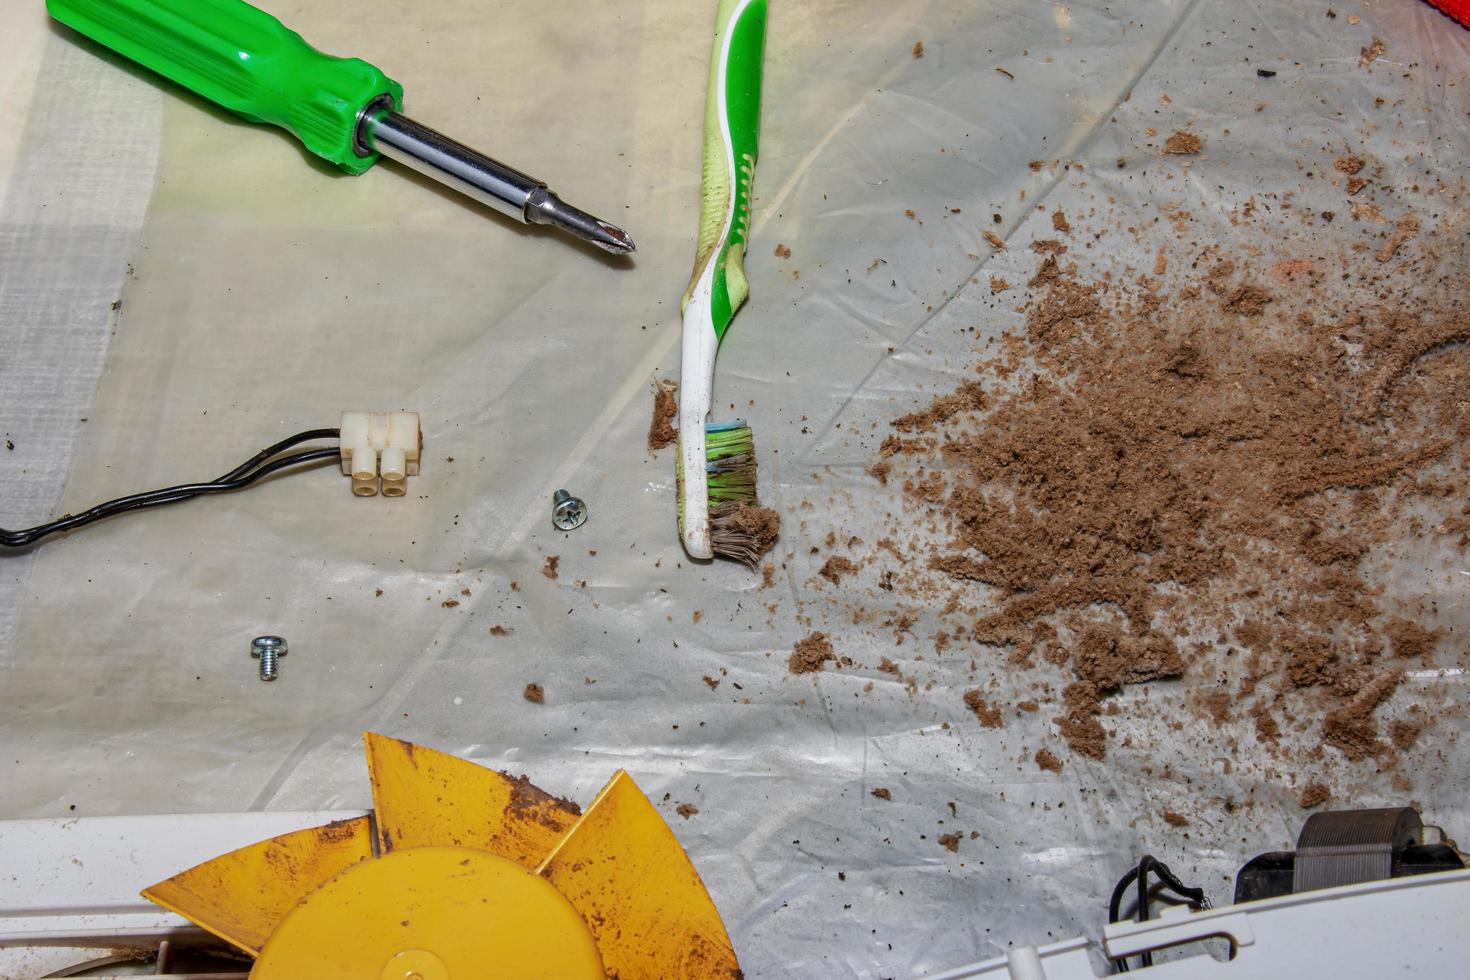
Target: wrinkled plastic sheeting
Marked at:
269, 294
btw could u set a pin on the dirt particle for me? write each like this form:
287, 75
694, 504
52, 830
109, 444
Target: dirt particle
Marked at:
498, 630
1349, 165
836, 567
811, 654
449, 603
1174, 819
918, 49
1404, 734
1047, 760
534, 693
1409, 639
686, 810
661, 431
998, 285
1370, 54
548, 568
782, 252
1351, 728
990, 715
1183, 143
882, 793
996, 242
1403, 232
1315, 794
711, 682
950, 842
1059, 221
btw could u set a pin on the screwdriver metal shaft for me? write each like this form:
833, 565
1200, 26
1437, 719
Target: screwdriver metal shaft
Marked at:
488, 181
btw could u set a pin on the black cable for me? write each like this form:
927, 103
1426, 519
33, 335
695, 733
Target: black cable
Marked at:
256, 468
310, 435
1170, 881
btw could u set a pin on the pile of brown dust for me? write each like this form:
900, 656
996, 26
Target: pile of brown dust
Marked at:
1142, 479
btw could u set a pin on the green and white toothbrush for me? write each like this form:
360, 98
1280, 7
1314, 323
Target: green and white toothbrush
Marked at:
716, 461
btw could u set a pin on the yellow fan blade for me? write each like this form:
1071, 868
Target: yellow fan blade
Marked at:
624, 871
432, 913
424, 798
243, 895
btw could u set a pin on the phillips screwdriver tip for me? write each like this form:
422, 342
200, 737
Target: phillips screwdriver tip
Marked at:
548, 209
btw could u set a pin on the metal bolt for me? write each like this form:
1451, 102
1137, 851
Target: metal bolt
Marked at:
567, 512
267, 649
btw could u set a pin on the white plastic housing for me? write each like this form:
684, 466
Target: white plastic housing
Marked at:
382, 445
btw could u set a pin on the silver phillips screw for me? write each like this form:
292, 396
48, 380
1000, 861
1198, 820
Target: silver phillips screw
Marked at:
567, 512
268, 650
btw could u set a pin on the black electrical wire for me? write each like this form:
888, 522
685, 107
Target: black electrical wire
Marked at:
1149, 864
256, 468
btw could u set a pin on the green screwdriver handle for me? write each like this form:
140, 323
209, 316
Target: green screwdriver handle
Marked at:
245, 60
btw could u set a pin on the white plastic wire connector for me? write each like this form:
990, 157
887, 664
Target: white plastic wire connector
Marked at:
380, 446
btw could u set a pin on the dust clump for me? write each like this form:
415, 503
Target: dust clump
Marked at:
534, 693
989, 715
661, 431
836, 567
1047, 760
811, 654
1183, 143
1315, 794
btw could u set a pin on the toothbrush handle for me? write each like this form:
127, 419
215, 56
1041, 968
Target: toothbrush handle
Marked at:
245, 60
731, 138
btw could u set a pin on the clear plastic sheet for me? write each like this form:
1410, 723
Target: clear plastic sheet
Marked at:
268, 294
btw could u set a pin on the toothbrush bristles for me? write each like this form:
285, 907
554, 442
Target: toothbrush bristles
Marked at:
739, 528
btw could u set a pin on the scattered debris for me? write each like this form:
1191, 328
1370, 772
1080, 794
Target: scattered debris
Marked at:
534, 693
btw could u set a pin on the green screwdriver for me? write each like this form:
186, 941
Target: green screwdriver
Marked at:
343, 109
